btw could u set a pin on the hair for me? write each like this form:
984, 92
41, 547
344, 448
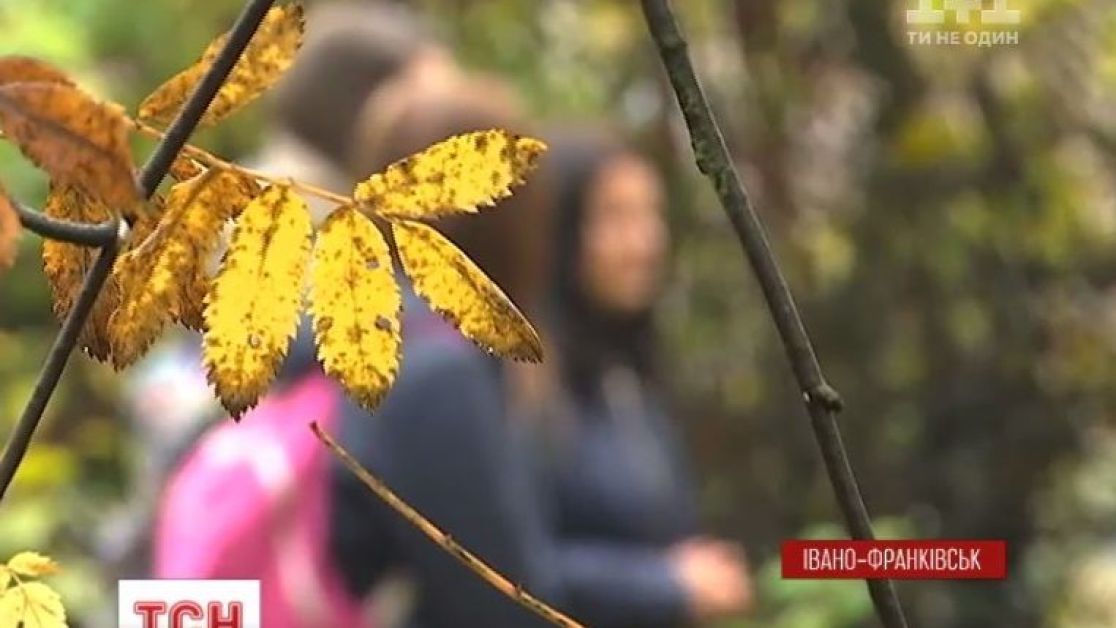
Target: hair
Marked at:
589, 337
507, 241
350, 49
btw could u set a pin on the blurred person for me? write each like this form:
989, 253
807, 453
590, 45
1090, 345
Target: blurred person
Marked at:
623, 509
350, 50
442, 437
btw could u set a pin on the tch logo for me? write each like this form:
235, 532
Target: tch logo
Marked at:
189, 604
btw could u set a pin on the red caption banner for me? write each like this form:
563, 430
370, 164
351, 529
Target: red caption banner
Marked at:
899, 560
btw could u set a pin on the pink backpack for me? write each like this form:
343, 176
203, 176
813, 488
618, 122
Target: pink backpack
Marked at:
251, 500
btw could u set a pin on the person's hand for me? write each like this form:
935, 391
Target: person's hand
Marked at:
715, 576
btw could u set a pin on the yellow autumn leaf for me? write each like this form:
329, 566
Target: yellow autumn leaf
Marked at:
32, 564
11, 608
457, 175
268, 55
31, 605
151, 276
76, 139
5, 578
9, 231
458, 290
228, 195
65, 266
355, 304
252, 308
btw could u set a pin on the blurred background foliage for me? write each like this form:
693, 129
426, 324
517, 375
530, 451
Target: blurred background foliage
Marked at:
945, 215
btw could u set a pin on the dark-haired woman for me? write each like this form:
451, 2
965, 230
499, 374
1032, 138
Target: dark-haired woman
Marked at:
631, 553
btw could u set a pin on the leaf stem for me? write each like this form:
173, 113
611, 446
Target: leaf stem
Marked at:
822, 401
443, 540
213, 161
152, 174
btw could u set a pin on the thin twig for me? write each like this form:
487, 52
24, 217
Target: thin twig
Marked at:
822, 401
85, 234
149, 178
443, 540
213, 161
56, 359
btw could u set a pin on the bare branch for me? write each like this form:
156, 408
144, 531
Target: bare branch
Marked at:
822, 401
443, 540
56, 359
98, 235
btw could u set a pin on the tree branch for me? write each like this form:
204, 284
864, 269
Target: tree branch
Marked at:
85, 234
56, 359
180, 130
149, 178
822, 401
443, 540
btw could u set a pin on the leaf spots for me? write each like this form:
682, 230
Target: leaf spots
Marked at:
270, 53
455, 176
252, 308
355, 304
458, 290
164, 278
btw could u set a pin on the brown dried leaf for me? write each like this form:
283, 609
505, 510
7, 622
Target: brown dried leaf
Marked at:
184, 168
191, 314
20, 69
9, 231
270, 53
65, 266
77, 140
